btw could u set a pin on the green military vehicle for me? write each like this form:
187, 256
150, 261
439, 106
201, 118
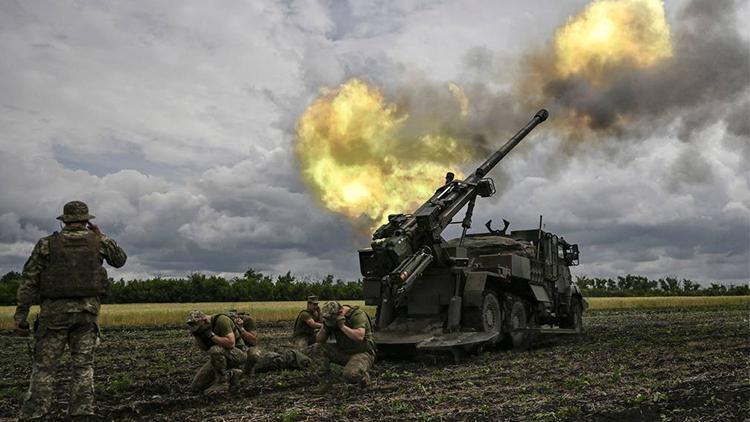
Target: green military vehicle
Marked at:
479, 289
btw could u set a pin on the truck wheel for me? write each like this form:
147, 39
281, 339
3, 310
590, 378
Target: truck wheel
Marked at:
489, 317
492, 316
576, 316
574, 320
519, 319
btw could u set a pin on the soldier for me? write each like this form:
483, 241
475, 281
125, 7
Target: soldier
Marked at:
66, 277
265, 361
219, 336
248, 336
354, 347
307, 324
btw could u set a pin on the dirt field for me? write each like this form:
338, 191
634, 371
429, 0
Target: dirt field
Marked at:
665, 365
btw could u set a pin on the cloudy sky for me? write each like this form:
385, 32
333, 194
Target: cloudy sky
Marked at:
175, 123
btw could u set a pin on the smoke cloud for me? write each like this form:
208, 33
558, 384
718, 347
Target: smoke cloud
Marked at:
707, 77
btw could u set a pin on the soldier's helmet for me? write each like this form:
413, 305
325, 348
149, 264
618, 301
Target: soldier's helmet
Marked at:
195, 317
330, 310
75, 211
312, 299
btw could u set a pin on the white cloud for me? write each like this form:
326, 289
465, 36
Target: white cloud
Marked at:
175, 123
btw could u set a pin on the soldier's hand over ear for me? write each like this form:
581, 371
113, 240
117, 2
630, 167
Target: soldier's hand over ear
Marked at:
93, 227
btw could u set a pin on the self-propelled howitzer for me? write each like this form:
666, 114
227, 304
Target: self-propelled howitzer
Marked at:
427, 290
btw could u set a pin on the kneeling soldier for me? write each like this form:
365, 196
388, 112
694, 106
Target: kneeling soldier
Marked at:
248, 336
355, 345
307, 324
265, 361
217, 335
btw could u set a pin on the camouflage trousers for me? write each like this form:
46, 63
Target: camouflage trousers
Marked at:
356, 365
303, 343
258, 361
253, 357
219, 361
80, 333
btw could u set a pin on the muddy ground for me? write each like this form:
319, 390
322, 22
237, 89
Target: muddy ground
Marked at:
678, 365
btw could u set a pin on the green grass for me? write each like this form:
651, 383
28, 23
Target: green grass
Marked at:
147, 314
611, 303
150, 314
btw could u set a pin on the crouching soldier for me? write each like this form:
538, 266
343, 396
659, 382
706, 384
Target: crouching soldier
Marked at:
218, 335
248, 337
264, 361
354, 347
307, 324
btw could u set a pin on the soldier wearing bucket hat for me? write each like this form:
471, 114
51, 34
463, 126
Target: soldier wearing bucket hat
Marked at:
355, 346
220, 338
65, 274
307, 325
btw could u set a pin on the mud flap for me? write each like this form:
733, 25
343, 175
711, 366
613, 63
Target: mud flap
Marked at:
457, 340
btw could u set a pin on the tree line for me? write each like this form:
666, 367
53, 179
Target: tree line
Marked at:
634, 285
254, 286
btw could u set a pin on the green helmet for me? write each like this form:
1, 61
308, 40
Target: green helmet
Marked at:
75, 211
329, 312
195, 316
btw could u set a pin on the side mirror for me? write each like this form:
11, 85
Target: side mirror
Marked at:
571, 255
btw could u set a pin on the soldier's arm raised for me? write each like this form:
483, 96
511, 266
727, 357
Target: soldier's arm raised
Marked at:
112, 252
356, 334
226, 341
357, 331
250, 336
312, 324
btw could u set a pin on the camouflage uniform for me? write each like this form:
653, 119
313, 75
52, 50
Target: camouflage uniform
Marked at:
304, 335
215, 372
356, 357
266, 361
251, 350
62, 321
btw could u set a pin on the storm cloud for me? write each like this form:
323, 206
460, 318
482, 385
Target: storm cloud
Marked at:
176, 124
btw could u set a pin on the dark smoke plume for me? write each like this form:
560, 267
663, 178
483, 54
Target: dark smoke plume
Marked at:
707, 77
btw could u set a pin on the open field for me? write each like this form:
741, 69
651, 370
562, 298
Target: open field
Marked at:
150, 314
679, 364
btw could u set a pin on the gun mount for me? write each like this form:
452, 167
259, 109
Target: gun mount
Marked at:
438, 294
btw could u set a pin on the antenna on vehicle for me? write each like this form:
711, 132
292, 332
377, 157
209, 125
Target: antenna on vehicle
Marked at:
539, 238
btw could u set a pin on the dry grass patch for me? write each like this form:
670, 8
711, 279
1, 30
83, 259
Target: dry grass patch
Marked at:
152, 314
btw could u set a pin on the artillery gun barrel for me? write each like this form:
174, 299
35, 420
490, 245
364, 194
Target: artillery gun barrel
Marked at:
491, 162
456, 199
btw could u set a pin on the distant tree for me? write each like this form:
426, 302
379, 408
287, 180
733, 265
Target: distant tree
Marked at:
9, 283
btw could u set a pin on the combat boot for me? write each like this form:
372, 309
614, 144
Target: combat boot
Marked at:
365, 382
219, 386
235, 376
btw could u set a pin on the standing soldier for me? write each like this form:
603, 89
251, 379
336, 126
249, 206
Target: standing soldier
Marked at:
307, 324
66, 276
355, 345
219, 336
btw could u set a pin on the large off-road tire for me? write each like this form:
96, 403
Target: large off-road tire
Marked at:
487, 318
574, 320
519, 318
